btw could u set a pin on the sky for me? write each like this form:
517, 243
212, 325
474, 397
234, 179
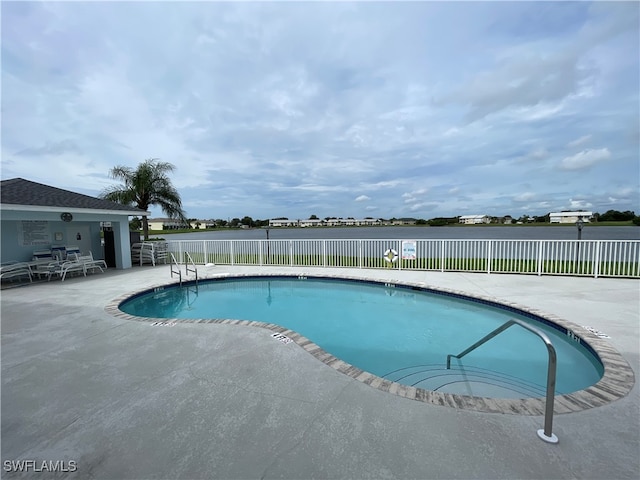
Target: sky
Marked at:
333, 109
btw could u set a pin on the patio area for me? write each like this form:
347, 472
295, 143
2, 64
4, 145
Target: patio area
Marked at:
125, 399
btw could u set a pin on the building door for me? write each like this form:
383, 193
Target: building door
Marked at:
109, 247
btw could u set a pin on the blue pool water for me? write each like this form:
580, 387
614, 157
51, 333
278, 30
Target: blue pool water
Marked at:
399, 333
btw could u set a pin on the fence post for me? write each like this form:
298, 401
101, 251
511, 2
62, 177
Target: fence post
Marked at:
596, 265
360, 253
291, 253
442, 255
539, 257
231, 252
324, 253
489, 254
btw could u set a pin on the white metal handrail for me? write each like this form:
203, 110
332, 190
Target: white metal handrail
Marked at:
177, 270
545, 434
189, 260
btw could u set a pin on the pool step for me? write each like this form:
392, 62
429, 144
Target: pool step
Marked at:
466, 380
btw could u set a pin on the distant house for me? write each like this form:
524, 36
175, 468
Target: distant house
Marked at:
283, 222
569, 217
368, 221
330, 222
166, 224
474, 219
313, 222
404, 221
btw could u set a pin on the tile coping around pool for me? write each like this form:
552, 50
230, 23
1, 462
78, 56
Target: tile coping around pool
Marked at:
616, 383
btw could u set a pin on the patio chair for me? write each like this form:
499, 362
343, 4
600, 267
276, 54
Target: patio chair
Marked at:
67, 267
43, 267
161, 252
69, 249
42, 255
58, 252
89, 262
13, 270
143, 253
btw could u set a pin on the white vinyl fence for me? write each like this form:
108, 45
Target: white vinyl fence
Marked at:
596, 258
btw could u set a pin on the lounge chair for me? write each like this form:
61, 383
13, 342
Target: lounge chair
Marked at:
71, 249
43, 267
67, 267
59, 252
161, 252
42, 255
13, 270
89, 262
144, 252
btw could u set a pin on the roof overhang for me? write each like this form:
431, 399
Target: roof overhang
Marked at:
39, 208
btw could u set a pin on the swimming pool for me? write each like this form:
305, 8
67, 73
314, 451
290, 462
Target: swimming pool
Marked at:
399, 333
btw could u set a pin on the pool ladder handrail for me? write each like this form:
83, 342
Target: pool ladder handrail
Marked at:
188, 261
173, 262
177, 271
546, 433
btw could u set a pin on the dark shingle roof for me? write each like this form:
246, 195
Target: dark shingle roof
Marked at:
18, 191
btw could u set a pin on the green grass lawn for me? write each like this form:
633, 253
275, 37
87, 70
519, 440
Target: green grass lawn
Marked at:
569, 267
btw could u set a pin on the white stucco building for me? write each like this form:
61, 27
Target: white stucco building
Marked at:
35, 216
474, 219
569, 217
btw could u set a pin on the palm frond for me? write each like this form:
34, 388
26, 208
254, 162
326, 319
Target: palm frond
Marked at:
147, 185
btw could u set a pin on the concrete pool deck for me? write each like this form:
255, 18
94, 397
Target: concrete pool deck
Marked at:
124, 399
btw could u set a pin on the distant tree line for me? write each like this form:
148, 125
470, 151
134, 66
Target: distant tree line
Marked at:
248, 222
614, 216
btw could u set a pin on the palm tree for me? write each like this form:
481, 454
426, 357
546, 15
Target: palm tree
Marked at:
147, 185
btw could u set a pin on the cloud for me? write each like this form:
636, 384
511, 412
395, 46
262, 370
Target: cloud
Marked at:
536, 156
414, 198
56, 148
579, 141
525, 197
394, 104
579, 204
585, 159
530, 84
417, 207
536, 78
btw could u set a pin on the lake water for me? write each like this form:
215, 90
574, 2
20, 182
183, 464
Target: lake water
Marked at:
569, 232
